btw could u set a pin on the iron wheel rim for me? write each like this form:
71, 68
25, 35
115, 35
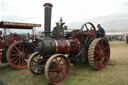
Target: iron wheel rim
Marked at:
54, 69
17, 55
33, 62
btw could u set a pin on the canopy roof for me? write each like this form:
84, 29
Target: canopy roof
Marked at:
17, 25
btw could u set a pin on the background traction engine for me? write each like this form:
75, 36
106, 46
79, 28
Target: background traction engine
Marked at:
14, 48
57, 49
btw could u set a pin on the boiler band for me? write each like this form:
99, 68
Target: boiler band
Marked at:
67, 46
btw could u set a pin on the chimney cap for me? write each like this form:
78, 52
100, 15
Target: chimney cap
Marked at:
48, 5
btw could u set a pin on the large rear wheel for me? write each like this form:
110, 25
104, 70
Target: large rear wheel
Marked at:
99, 53
17, 55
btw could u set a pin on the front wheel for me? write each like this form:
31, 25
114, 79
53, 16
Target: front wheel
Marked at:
57, 68
36, 63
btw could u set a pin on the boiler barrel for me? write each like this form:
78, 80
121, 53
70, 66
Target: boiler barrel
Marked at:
51, 46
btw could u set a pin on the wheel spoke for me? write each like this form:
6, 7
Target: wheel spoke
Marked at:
60, 60
98, 64
25, 51
23, 48
86, 40
53, 64
96, 51
34, 67
91, 28
99, 46
34, 61
52, 70
57, 60
39, 57
17, 49
14, 55
52, 73
13, 58
86, 27
62, 72
106, 48
63, 67
36, 58
20, 46
57, 76
96, 54
22, 60
106, 58
101, 62
97, 57
17, 60
33, 64
14, 51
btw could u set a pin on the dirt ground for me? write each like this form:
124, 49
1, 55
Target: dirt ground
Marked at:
119, 55
119, 62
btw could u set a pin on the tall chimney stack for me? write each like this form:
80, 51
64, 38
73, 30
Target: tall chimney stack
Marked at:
47, 18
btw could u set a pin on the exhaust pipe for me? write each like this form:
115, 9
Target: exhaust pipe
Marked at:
47, 19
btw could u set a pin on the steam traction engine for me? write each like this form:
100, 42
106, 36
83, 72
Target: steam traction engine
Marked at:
57, 49
13, 47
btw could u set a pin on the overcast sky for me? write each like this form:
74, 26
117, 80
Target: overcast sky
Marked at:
111, 14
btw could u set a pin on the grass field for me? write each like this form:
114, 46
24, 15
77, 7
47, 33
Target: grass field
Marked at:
115, 74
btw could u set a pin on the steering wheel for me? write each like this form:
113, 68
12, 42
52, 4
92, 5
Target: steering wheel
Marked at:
89, 28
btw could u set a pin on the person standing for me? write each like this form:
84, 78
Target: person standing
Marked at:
126, 39
100, 31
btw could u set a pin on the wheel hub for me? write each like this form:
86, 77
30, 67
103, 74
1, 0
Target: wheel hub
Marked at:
101, 53
59, 69
22, 55
40, 67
